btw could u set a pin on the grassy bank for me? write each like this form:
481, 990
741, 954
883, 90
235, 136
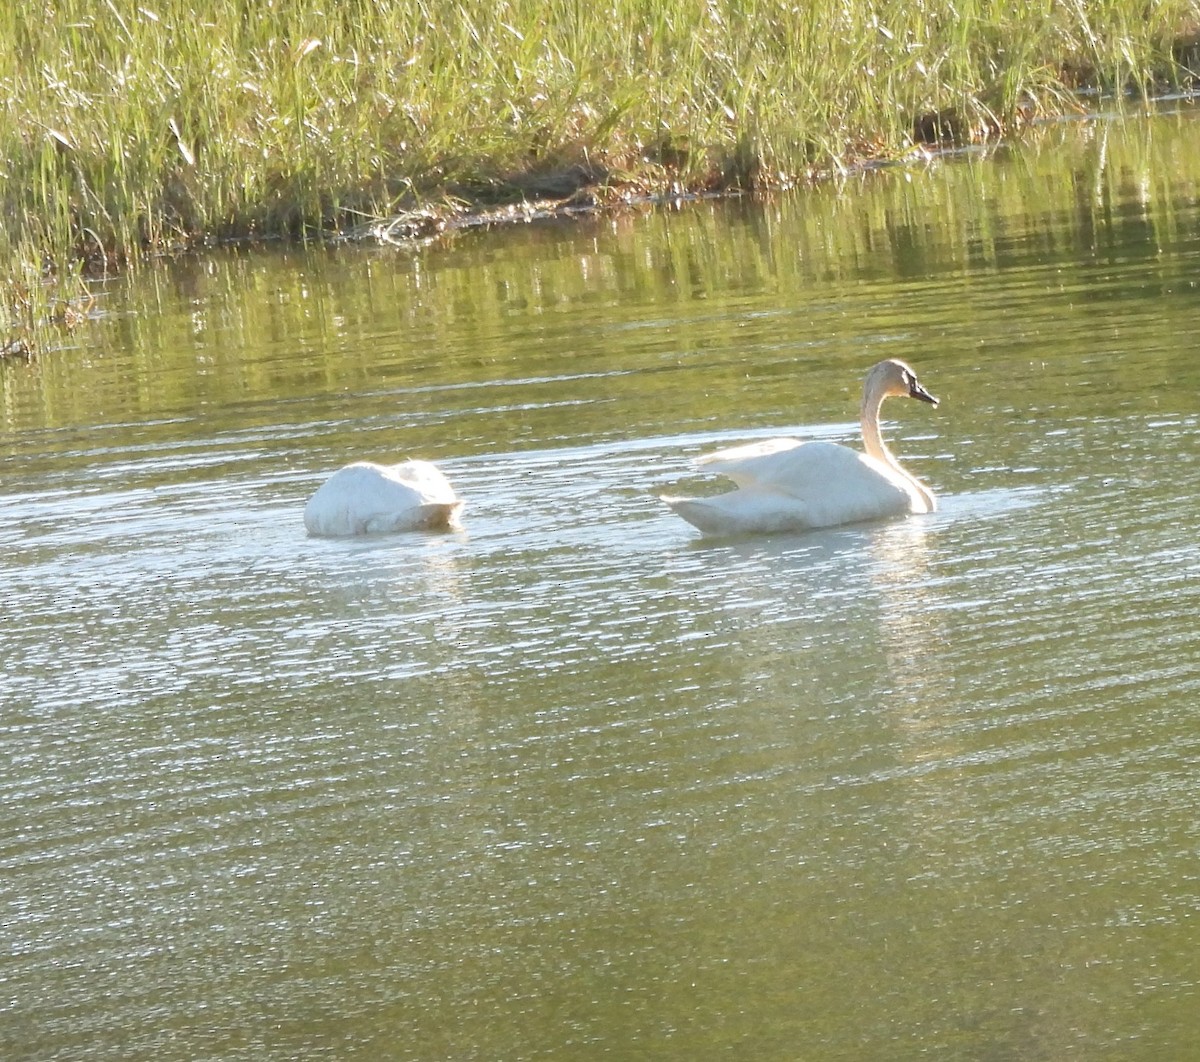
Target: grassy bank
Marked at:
140, 126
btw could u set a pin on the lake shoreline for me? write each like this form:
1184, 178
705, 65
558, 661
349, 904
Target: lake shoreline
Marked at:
144, 132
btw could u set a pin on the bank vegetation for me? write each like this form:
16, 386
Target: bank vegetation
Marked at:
134, 128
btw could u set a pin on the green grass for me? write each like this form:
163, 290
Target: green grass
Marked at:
141, 127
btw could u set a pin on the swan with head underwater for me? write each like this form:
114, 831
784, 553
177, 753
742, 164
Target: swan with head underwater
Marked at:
792, 485
363, 498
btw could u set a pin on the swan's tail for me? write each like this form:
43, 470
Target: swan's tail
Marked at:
723, 515
694, 511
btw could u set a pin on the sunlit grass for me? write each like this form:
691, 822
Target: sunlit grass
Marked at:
133, 127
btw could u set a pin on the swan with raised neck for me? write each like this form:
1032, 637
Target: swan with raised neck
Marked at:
792, 484
888, 379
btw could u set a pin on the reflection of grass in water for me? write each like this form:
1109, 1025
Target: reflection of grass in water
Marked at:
133, 126
1004, 263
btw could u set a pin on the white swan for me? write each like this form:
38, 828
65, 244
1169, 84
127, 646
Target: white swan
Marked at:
790, 485
365, 497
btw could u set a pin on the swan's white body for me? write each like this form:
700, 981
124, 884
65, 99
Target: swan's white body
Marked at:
363, 498
791, 485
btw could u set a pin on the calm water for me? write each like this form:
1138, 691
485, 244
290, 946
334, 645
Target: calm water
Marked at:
573, 784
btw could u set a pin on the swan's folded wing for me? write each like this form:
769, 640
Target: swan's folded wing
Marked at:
425, 479
832, 483
730, 460
801, 469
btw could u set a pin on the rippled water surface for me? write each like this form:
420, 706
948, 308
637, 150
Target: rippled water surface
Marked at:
574, 783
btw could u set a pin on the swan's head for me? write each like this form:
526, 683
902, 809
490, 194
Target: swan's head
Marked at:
892, 377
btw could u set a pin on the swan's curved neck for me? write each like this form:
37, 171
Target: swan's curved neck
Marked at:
874, 445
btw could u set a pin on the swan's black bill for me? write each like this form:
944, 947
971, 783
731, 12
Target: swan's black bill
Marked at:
915, 390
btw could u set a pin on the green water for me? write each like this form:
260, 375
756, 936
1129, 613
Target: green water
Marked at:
571, 783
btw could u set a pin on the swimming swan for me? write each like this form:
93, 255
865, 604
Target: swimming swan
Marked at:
790, 485
365, 497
